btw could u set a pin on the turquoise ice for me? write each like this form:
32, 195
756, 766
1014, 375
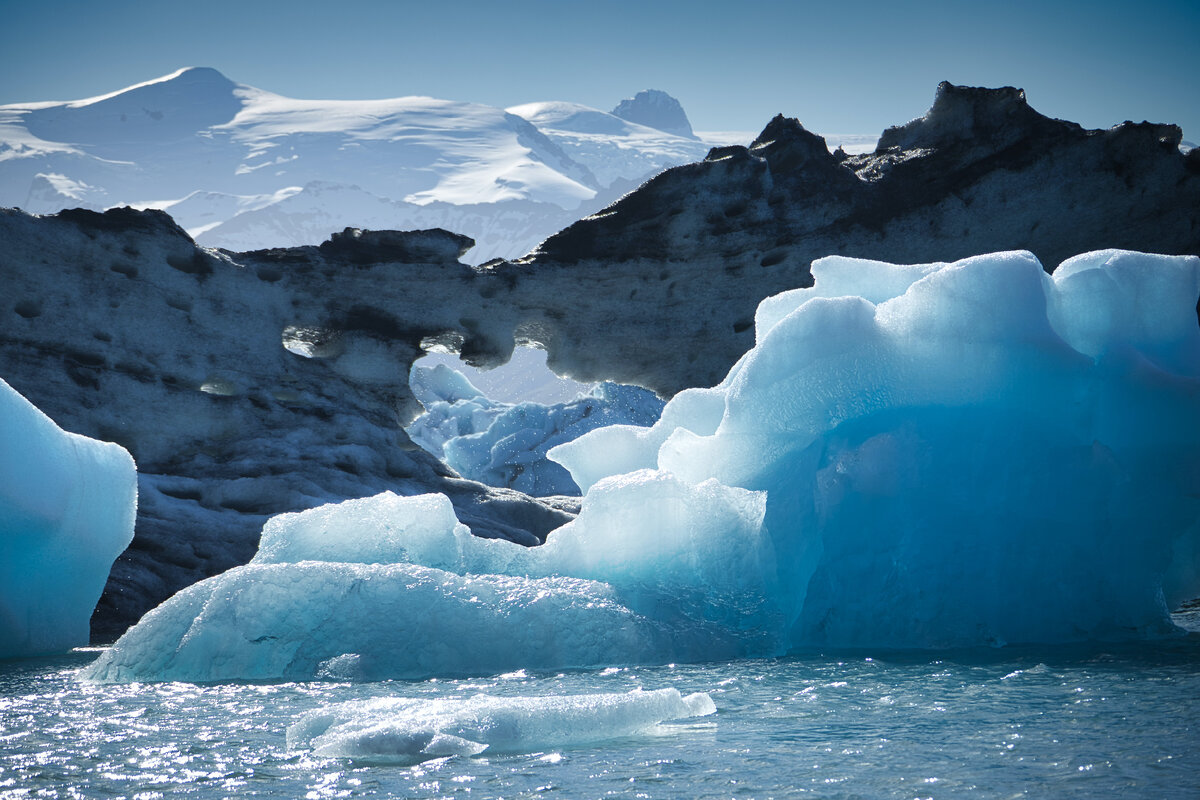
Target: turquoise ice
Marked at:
945, 455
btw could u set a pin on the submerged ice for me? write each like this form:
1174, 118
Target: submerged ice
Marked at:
974, 453
409, 730
67, 506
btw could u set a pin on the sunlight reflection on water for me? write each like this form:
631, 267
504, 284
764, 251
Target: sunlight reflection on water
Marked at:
1046, 722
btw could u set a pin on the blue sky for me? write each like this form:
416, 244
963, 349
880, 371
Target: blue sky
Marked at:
854, 69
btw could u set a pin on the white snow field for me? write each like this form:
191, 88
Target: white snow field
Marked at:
67, 505
945, 455
405, 731
242, 168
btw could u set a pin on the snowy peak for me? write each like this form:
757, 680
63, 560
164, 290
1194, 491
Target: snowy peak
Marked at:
171, 107
575, 118
655, 109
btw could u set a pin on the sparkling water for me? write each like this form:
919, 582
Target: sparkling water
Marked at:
1116, 721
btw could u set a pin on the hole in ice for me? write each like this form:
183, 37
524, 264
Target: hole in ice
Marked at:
524, 378
29, 308
496, 426
128, 270
310, 342
220, 387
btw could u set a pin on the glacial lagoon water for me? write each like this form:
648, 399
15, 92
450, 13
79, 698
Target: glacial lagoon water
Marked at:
1062, 722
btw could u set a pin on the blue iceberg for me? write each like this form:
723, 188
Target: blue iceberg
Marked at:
942, 455
505, 444
67, 507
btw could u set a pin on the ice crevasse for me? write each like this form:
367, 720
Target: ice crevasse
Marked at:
67, 507
940, 455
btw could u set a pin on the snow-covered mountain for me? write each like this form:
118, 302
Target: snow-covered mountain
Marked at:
209, 151
612, 148
656, 109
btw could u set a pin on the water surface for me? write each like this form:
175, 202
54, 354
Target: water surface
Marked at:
1048, 722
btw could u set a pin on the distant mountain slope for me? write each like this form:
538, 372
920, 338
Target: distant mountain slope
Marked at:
656, 109
196, 129
611, 147
209, 150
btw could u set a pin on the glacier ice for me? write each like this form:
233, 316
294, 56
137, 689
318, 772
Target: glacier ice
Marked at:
505, 444
975, 453
943, 455
67, 506
394, 587
409, 730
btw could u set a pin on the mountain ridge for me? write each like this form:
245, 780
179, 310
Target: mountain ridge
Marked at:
159, 142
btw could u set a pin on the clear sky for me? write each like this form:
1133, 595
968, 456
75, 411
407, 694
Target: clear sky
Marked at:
852, 68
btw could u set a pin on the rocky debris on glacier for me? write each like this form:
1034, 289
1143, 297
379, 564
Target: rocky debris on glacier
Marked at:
246, 384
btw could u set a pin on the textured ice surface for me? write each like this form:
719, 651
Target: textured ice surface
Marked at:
392, 586
505, 444
979, 454
375, 621
974, 453
67, 505
403, 730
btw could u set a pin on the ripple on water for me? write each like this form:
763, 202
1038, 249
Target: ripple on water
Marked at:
1048, 722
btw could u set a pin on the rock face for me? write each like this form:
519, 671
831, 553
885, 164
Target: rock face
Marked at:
655, 109
980, 172
243, 386
253, 383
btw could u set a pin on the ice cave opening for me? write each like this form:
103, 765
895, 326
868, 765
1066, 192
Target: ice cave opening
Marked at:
496, 426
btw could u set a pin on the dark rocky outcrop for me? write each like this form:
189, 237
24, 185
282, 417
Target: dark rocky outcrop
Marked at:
981, 171
243, 385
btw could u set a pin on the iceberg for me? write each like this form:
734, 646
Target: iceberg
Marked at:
505, 444
942, 455
409, 730
959, 454
394, 587
67, 507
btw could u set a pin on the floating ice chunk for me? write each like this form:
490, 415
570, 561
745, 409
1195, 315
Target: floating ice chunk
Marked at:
403, 730
684, 578
67, 505
945, 468
293, 621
